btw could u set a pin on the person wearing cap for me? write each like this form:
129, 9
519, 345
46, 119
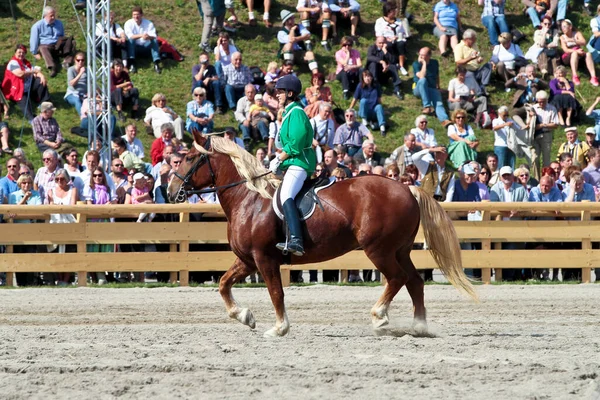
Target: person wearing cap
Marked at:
200, 112
46, 132
493, 18
544, 118
294, 42
575, 147
368, 155
590, 138
507, 57
466, 188
437, 176
297, 158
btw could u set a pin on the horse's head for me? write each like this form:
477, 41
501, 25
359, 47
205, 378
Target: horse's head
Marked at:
195, 171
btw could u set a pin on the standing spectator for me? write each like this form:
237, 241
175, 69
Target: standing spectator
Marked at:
484, 192
424, 136
294, 42
140, 194
316, 12
205, 76
223, 52
159, 113
381, 64
324, 128
46, 131
156, 151
484, 177
576, 148
544, 51
122, 90
368, 93
507, 58
235, 78
437, 177
77, 82
8, 183
316, 94
462, 95
392, 29
141, 39
545, 119
563, 96
24, 84
368, 155
402, 156
351, 134
491, 161
118, 39
200, 113
493, 18
427, 85
463, 143
134, 144
48, 40
466, 54
573, 45
446, 18
44, 178
348, 66
590, 138
591, 173
243, 116
213, 16
526, 85
501, 126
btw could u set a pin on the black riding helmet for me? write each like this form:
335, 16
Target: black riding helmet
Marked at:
289, 83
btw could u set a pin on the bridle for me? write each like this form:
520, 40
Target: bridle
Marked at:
182, 193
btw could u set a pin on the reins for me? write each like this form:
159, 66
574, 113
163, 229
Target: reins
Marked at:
215, 188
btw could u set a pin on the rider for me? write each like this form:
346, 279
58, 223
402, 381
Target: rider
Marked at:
297, 157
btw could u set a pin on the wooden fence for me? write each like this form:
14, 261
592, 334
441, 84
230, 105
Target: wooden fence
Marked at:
576, 224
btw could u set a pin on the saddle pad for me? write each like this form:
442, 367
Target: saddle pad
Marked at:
305, 200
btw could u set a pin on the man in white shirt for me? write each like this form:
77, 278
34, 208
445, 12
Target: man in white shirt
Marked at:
134, 145
544, 118
141, 37
324, 130
92, 159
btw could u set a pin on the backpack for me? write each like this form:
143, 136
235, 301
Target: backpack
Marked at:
258, 76
167, 50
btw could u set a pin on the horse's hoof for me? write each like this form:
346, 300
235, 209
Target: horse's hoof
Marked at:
274, 332
379, 323
420, 328
247, 318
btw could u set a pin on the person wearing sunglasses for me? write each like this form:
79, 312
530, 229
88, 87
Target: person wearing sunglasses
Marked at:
463, 143
44, 178
8, 183
200, 113
351, 134
77, 82
348, 66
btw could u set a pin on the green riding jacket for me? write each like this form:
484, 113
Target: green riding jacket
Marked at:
296, 135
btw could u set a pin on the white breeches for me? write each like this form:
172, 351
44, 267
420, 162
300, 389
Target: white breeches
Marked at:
292, 182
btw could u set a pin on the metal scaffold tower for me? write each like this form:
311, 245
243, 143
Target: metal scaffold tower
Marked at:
98, 77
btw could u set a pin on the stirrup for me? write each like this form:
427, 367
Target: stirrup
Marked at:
294, 246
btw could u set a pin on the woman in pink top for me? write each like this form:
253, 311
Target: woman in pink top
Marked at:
348, 66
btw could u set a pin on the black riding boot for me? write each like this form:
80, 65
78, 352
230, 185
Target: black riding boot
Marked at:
295, 245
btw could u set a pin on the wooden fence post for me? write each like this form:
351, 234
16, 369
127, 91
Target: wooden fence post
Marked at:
486, 245
173, 274
184, 247
10, 275
81, 249
586, 244
285, 276
498, 246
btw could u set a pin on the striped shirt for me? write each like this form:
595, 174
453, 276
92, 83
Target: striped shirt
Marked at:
491, 8
236, 77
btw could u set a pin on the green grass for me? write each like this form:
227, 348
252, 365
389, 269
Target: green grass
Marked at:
179, 22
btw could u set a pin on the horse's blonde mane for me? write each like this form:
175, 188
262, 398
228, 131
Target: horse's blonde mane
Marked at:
246, 165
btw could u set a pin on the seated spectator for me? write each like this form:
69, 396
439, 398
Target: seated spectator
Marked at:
330, 160
129, 159
368, 155
324, 128
467, 55
200, 113
501, 127
594, 44
48, 41
393, 172
44, 178
118, 174
577, 190
577, 149
316, 94
205, 76
287, 68
544, 51
351, 134
339, 174
46, 131
462, 95
4, 136
491, 162
170, 157
481, 179
77, 82
294, 42
392, 29
348, 66
526, 85
446, 18
316, 12
231, 134
591, 173
402, 156
122, 90
463, 142
19, 154
523, 178
260, 113
156, 151
261, 156
427, 85
437, 176
140, 194
573, 45
235, 78
563, 97
594, 113
536, 9
545, 119
412, 171
342, 9
590, 138
272, 73
24, 84
270, 98
274, 145
242, 115
546, 191
8, 183
368, 93
118, 39
565, 161
141, 40
85, 119
159, 113
507, 58
406, 179
466, 189
382, 65
134, 144
493, 18
424, 136
484, 177
223, 51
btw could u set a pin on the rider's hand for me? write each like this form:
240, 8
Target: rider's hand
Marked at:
274, 165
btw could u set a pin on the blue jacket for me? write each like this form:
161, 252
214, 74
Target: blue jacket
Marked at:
554, 196
517, 193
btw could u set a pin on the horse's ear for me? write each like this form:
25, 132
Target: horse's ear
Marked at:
199, 137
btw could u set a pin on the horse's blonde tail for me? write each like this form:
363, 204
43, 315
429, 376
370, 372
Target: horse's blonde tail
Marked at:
442, 241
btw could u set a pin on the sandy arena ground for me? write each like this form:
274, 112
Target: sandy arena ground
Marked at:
534, 342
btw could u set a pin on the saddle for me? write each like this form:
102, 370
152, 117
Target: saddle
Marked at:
306, 200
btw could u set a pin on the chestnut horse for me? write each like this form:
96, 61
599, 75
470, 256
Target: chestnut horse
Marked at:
374, 213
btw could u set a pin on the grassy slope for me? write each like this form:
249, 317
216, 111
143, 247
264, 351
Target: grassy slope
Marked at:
179, 22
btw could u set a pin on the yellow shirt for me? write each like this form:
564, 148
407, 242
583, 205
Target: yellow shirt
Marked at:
462, 51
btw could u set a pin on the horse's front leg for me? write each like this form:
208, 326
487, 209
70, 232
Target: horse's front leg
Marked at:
272, 276
236, 273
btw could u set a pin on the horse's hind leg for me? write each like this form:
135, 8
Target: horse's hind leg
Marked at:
415, 289
236, 273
